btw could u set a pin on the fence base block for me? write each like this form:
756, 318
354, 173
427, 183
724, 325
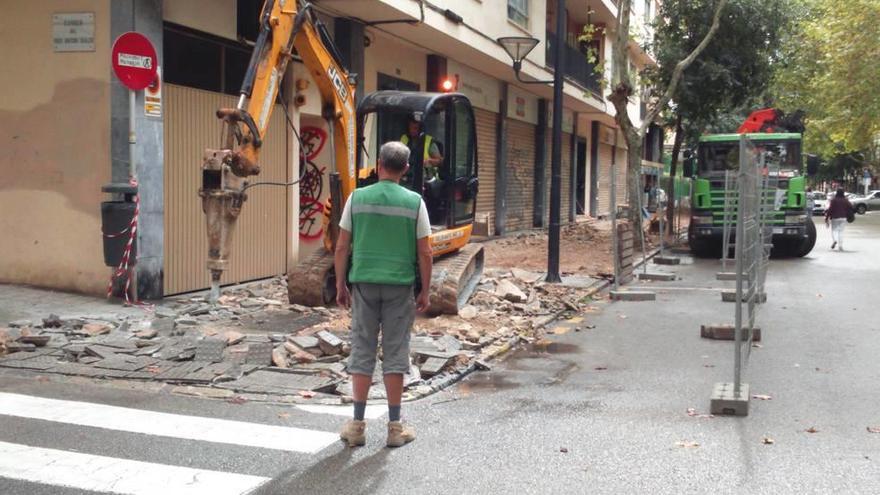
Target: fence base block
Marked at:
633, 295
725, 276
725, 402
730, 296
667, 260
726, 332
657, 277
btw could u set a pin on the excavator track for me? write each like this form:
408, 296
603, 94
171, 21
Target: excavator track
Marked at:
454, 278
312, 282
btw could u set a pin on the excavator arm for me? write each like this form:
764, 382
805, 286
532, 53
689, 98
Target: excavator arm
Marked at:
285, 27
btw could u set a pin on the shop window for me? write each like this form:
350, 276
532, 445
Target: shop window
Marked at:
200, 60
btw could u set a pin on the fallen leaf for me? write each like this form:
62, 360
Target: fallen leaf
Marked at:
687, 445
819, 296
812, 429
708, 366
874, 429
757, 346
237, 400
284, 415
600, 368
622, 317
563, 450
308, 394
692, 412
768, 441
761, 397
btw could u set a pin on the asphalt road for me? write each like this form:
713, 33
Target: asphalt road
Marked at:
602, 410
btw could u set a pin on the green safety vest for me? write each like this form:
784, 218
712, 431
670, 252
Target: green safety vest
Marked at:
427, 154
383, 219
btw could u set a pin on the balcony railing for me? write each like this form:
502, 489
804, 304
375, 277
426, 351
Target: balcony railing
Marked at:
576, 66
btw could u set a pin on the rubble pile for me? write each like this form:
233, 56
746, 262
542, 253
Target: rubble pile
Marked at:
254, 342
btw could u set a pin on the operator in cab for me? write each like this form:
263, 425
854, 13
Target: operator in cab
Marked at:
432, 158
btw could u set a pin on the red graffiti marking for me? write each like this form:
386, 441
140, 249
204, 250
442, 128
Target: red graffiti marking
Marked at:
311, 184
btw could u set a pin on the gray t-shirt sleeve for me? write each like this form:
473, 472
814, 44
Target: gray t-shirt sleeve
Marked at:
423, 224
345, 221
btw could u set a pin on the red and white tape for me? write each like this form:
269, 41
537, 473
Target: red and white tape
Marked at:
125, 267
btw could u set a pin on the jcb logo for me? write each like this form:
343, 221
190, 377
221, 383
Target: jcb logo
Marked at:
338, 82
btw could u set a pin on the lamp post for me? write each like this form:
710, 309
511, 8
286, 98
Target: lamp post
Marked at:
518, 47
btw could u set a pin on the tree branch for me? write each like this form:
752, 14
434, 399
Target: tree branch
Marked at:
680, 68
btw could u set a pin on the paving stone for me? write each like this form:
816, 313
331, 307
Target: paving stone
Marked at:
37, 340
432, 366
304, 342
20, 323
188, 322
259, 353
232, 337
147, 333
280, 357
148, 351
329, 343
78, 369
163, 312
251, 303
210, 350
281, 383
208, 392
163, 325
89, 359
36, 363
100, 351
448, 343
126, 363
20, 347
95, 329
509, 291
180, 371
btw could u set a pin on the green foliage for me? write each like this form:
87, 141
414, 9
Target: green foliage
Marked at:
590, 33
736, 68
830, 68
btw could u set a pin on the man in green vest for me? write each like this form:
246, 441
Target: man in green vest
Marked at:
385, 229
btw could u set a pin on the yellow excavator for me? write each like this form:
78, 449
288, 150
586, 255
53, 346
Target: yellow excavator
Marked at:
444, 122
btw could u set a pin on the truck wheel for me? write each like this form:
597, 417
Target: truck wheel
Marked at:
808, 243
702, 249
861, 209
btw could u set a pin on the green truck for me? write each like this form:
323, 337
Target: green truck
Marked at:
794, 233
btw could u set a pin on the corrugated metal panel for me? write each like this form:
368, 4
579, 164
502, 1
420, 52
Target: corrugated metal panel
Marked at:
487, 132
605, 179
565, 176
259, 243
520, 143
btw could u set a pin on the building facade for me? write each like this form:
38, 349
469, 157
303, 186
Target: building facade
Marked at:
67, 121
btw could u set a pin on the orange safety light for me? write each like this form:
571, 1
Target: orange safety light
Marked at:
447, 85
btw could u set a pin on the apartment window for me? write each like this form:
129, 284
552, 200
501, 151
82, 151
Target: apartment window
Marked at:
647, 10
518, 12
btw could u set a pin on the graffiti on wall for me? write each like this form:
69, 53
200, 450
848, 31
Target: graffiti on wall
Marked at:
311, 185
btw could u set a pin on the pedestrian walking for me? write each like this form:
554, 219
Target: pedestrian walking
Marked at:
839, 208
385, 229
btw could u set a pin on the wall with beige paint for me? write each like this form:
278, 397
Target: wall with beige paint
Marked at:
394, 57
55, 137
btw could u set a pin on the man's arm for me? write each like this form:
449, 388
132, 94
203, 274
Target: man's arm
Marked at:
340, 262
340, 257
426, 261
425, 257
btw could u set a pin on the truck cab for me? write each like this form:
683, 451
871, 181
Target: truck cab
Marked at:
714, 174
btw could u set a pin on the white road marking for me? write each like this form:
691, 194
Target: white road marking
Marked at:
372, 412
108, 474
165, 424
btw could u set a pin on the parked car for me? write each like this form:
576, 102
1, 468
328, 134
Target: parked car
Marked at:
865, 203
820, 202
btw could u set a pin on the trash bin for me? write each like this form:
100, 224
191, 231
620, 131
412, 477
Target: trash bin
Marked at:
115, 218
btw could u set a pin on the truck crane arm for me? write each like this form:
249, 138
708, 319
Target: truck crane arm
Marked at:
285, 26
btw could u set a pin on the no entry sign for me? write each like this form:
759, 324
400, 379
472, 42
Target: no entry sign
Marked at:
134, 60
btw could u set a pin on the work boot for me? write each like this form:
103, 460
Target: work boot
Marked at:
399, 434
353, 433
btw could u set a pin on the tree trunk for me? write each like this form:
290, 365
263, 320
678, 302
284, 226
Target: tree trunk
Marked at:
673, 169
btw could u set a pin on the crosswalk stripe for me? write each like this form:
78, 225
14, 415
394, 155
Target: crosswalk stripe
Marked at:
372, 412
108, 474
165, 424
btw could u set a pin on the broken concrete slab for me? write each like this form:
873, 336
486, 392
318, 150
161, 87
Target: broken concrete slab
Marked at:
280, 357
727, 332
13, 347
20, 323
304, 342
432, 366
657, 277
468, 312
509, 291
37, 340
210, 350
329, 343
147, 333
94, 329
526, 276
232, 337
259, 353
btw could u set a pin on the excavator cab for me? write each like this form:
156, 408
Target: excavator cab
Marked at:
439, 129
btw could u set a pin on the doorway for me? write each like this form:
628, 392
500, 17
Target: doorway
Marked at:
581, 176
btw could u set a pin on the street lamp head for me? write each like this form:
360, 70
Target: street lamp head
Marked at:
518, 47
